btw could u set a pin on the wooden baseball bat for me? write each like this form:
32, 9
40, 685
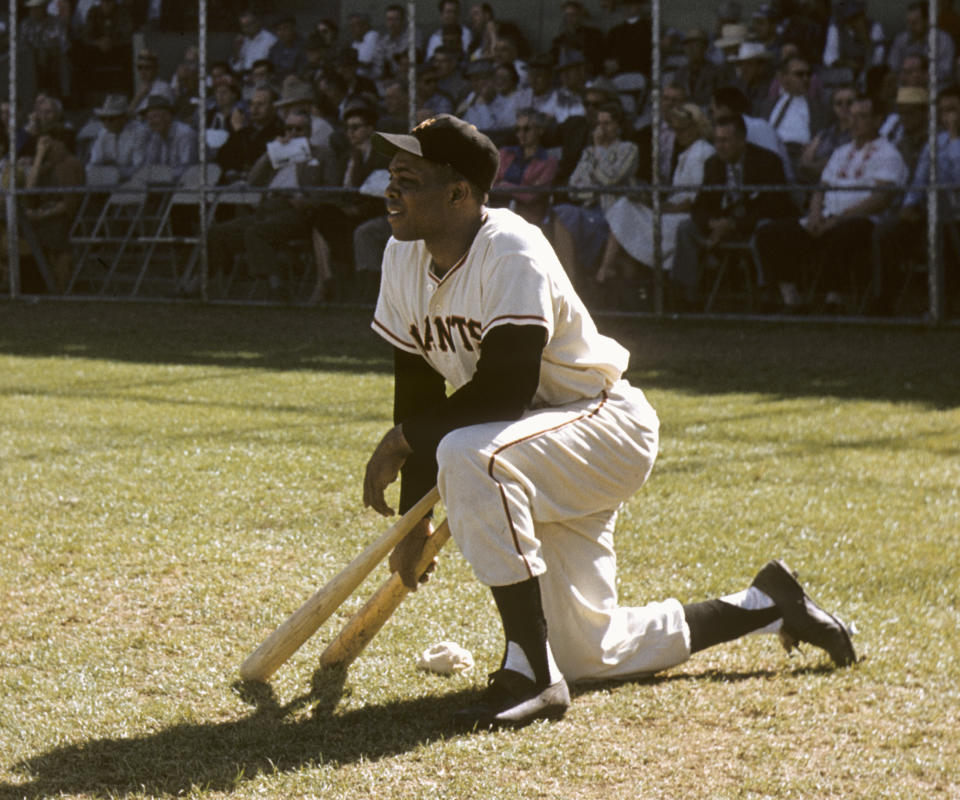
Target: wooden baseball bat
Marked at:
303, 622
363, 625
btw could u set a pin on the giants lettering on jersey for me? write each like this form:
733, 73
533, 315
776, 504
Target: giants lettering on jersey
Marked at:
438, 333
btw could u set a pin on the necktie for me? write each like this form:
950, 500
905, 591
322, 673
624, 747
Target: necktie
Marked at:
783, 112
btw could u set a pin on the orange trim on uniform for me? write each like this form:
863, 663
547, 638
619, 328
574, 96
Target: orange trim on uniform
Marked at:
390, 334
533, 317
503, 495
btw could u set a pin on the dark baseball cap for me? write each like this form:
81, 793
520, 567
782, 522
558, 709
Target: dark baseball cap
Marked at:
445, 139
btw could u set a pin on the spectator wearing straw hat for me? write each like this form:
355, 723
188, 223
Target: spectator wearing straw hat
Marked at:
906, 127
120, 140
754, 74
300, 96
698, 75
726, 45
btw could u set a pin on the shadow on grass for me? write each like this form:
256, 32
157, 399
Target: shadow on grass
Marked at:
893, 363
274, 738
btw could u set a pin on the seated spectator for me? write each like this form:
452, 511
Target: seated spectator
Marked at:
853, 41
795, 116
572, 71
840, 224
483, 31
753, 75
763, 29
48, 39
430, 101
250, 133
148, 82
902, 235
580, 228
185, 86
287, 53
450, 80
300, 96
631, 221
262, 74
107, 49
541, 94
506, 52
816, 154
576, 34
51, 216
280, 217
526, 164
47, 113
218, 121
698, 75
366, 41
730, 214
627, 47
726, 46
252, 44
170, 142
915, 38
347, 64
449, 17
120, 140
395, 113
395, 38
335, 218
908, 128
727, 101
508, 100
479, 109
316, 53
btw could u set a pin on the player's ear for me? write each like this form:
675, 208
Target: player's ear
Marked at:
459, 192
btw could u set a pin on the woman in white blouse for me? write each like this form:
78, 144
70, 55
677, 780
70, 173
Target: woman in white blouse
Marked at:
631, 222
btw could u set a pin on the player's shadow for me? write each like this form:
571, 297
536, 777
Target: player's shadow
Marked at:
219, 756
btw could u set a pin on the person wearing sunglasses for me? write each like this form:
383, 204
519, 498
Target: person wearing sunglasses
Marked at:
795, 115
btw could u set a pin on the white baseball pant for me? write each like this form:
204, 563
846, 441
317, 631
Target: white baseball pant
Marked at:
539, 497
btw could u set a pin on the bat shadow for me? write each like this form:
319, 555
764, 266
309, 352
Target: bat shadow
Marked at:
220, 756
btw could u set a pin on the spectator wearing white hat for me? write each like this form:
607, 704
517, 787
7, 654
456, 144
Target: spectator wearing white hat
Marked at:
121, 139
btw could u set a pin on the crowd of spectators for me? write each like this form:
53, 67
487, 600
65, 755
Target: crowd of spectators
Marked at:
796, 130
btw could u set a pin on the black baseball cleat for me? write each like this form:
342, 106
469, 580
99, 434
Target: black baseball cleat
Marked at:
804, 620
513, 700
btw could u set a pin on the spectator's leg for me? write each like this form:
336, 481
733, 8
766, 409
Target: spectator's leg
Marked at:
686, 262
224, 241
847, 246
894, 242
566, 250
265, 236
369, 240
784, 248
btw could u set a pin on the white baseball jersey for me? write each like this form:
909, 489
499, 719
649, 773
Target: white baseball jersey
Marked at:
538, 496
509, 276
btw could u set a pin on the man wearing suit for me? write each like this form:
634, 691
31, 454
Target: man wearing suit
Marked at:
730, 213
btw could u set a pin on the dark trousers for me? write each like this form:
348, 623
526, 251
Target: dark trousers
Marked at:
786, 249
271, 227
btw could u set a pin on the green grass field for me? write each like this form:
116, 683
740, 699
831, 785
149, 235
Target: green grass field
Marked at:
176, 480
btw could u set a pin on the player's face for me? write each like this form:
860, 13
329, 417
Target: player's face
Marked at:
416, 198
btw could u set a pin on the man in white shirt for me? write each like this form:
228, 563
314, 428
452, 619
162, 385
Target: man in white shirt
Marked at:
449, 15
253, 44
794, 117
366, 41
120, 142
840, 224
395, 38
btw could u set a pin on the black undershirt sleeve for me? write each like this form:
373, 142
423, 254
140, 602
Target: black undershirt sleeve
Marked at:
502, 388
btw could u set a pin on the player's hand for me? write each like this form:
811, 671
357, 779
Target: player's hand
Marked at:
404, 558
383, 468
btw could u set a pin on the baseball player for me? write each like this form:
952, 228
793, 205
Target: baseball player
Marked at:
536, 446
